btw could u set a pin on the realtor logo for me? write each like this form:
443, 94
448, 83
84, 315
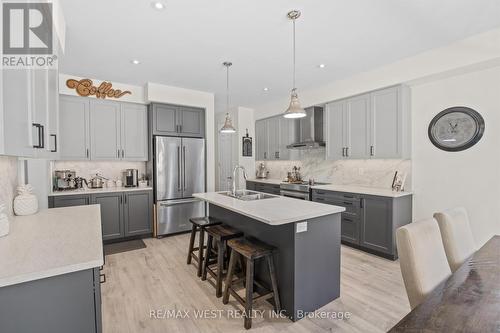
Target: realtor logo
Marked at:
27, 38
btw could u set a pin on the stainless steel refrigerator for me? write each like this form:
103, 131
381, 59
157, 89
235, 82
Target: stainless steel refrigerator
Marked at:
179, 169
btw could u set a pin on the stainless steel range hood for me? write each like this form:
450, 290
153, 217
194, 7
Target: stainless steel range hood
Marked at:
309, 130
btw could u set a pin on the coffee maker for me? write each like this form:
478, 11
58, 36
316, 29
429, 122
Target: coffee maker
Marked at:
130, 178
64, 180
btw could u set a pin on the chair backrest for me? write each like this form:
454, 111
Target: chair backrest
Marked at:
422, 259
457, 236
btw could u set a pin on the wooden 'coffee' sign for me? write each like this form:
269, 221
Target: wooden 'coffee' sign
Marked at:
85, 88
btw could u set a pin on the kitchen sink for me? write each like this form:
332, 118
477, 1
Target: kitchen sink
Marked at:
247, 195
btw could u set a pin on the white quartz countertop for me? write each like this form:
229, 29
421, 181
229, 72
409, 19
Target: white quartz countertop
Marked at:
273, 211
99, 190
266, 181
383, 192
52, 242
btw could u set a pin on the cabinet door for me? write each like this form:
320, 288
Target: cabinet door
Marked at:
191, 122
335, 130
111, 214
53, 117
376, 223
138, 212
261, 140
358, 127
74, 128
40, 110
349, 227
273, 134
17, 117
386, 123
104, 130
134, 132
69, 201
165, 120
287, 128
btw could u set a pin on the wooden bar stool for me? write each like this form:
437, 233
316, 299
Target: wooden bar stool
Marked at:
218, 236
199, 225
251, 250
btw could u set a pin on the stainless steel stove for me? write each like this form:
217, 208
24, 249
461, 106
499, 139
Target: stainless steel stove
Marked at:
297, 190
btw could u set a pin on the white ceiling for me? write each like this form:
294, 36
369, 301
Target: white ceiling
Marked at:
185, 44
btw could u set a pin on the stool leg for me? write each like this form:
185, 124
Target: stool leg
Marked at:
207, 257
272, 272
229, 276
191, 243
249, 294
220, 268
200, 251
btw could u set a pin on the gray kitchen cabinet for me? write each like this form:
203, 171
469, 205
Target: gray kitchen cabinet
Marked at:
174, 120
74, 139
104, 130
123, 214
373, 125
69, 200
53, 114
287, 130
63, 303
390, 123
138, 212
273, 138
134, 125
94, 129
111, 214
261, 140
369, 222
263, 187
358, 127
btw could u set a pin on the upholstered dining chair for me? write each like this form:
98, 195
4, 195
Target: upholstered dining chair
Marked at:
457, 236
422, 258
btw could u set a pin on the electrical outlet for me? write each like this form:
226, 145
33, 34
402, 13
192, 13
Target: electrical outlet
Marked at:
301, 227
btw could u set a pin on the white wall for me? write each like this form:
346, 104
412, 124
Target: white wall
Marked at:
470, 178
173, 95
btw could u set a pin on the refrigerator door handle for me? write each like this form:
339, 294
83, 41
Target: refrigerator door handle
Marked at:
178, 168
184, 166
177, 202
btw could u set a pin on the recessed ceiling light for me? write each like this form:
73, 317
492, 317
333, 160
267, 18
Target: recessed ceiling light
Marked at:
321, 65
135, 62
158, 5
266, 89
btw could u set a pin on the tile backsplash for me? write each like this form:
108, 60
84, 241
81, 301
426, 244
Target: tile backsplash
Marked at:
371, 173
8, 182
112, 170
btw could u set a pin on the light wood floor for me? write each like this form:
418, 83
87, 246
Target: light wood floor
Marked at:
157, 278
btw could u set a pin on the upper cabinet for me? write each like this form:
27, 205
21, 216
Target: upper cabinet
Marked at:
272, 135
373, 125
93, 129
177, 120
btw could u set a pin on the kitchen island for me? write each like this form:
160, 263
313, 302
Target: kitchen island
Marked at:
307, 238
49, 272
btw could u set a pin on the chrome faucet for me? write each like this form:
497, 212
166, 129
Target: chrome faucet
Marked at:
233, 190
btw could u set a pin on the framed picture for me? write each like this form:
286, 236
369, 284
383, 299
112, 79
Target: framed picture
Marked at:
247, 145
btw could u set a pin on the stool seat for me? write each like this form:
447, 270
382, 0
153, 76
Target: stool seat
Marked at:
204, 221
250, 248
223, 232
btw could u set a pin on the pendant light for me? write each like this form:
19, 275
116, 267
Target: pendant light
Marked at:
228, 123
294, 109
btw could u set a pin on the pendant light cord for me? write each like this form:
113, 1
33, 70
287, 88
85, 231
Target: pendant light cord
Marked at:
227, 89
293, 86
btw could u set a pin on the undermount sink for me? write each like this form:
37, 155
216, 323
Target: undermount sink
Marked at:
247, 195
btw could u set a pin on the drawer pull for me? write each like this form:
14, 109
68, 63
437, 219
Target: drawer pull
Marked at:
102, 278
320, 199
347, 220
348, 203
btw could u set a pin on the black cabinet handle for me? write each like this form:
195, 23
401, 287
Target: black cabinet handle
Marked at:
40, 129
361, 203
125, 197
87, 152
343, 151
347, 220
348, 203
347, 151
371, 151
102, 278
55, 143
320, 199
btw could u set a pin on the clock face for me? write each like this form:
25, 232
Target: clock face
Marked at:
456, 129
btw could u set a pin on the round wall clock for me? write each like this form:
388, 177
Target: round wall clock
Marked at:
456, 128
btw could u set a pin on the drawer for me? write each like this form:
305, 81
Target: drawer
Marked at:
349, 227
352, 208
339, 196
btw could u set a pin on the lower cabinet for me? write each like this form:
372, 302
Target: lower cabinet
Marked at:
64, 303
263, 187
369, 222
123, 214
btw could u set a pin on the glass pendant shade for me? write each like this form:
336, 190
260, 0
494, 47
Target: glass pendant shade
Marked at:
228, 125
294, 109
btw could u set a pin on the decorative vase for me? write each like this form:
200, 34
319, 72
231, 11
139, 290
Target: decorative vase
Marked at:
25, 203
4, 222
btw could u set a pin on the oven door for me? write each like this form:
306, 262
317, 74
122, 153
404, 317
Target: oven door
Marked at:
295, 195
